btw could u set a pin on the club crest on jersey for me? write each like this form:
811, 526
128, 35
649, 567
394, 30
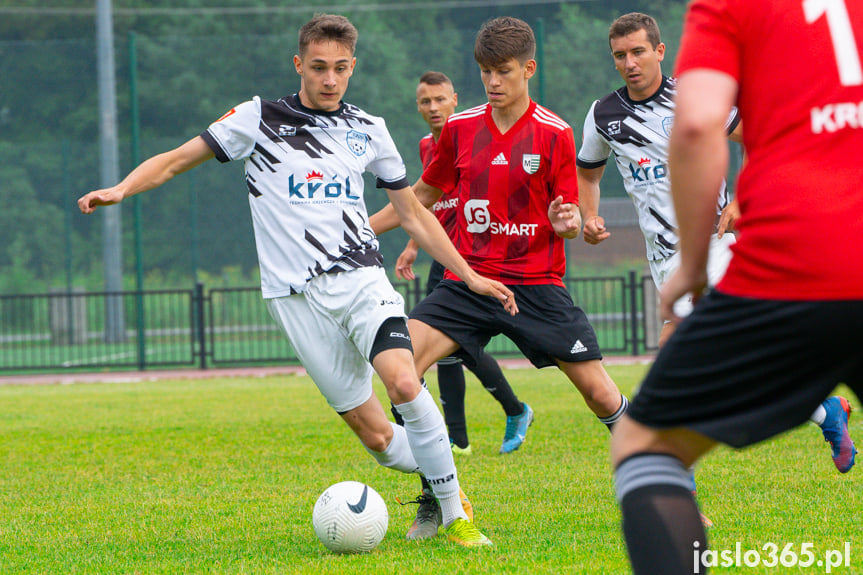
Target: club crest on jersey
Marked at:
666, 125
530, 163
287, 130
614, 128
357, 142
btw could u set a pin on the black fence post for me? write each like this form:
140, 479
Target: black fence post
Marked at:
633, 306
200, 332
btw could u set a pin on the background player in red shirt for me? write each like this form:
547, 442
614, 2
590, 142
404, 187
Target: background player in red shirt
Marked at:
511, 164
781, 329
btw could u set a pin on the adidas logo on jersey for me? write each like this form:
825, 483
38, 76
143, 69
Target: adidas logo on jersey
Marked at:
500, 160
578, 347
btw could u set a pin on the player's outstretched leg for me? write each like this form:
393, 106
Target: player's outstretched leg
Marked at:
832, 416
599, 391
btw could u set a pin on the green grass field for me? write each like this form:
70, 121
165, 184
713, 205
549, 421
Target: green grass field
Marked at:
220, 476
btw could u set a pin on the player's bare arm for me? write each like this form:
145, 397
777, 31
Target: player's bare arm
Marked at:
387, 218
405, 261
698, 160
565, 218
588, 199
428, 233
150, 174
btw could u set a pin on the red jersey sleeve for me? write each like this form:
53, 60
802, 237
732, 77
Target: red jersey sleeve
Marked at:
564, 181
710, 39
440, 171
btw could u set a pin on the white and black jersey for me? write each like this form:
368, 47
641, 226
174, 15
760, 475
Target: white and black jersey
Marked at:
637, 133
304, 171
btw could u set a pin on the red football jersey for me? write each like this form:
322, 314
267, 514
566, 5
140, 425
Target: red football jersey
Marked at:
801, 229
446, 207
504, 184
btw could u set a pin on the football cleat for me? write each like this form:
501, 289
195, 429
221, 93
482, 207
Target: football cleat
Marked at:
835, 430
465, 533
516, 430
456, 450
428, 518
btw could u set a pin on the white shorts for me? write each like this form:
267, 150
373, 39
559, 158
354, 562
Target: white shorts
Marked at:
332, 326
717, 262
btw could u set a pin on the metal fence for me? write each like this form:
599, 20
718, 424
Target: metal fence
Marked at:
68, 331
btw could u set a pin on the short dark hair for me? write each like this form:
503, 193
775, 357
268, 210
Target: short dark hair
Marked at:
328, 27
633, 22
433, 78
502, 39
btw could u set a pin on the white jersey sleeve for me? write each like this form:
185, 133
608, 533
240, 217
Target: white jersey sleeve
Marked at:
236, 131
594, 151
388, 165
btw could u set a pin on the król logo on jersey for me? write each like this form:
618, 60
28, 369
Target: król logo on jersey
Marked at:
357, 142
312, 187
645, 171
614, 127
530, 163
478, 218
287, 131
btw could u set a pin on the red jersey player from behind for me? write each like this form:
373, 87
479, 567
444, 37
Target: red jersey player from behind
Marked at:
782, 328
511, 163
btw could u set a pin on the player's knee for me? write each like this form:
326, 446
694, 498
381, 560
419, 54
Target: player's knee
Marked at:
376, 442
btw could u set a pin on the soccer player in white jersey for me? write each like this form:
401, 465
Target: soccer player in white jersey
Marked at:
321, 271
634, 122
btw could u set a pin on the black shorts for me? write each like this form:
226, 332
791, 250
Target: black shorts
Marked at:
436, 272
548, 327
741, 370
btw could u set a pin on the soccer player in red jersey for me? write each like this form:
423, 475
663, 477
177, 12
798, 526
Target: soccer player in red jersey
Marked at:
436, 101
511, 164
784, 320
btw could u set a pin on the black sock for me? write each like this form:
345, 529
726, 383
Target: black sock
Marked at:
450, 377
661, 523
494, 381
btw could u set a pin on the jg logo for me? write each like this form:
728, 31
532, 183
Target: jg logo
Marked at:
477, 216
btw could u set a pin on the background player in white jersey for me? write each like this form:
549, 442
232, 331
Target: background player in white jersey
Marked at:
634, 123
321, 273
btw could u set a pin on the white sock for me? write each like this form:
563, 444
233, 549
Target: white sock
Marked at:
426, 433
819, 415
398, 453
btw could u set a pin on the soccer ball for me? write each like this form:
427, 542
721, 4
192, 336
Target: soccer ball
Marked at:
350, 517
